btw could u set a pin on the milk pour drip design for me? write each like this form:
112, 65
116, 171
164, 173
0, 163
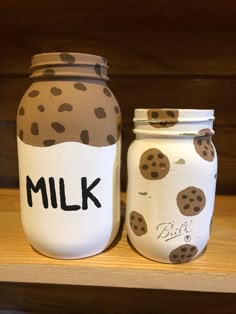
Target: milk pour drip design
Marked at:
171, 183
68, 134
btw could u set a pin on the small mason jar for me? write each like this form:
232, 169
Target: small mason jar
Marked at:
172, 170
68, 138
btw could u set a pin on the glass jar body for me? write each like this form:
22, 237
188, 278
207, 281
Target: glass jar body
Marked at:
170, 196
69, 166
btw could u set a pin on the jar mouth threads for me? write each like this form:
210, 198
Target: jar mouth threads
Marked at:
68, 64
174, 122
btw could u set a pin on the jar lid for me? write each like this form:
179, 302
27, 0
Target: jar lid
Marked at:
176, 122
59, 64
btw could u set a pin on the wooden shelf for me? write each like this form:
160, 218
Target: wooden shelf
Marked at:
120, 265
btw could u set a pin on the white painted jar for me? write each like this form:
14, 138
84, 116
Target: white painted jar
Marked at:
172, 168
68, 136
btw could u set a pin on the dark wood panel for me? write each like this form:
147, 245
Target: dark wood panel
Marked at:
169, 13
224, 141
42, 298
130, 51
137, 92
8, 155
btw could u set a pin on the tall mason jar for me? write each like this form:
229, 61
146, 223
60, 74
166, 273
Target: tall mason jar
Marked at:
172, 169
68, 137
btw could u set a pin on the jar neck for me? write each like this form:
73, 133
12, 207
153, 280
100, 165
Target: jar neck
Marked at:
159, 123
60, 65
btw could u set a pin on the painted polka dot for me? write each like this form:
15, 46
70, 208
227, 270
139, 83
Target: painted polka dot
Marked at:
41, 108
33, 93
107, 92
80, 86
58, 127
65, 107
49, 142
104, 60
34, 128
98, 69
111, 140
84, 135
100, 113
55, 91
21, 111
67, 57
48, 73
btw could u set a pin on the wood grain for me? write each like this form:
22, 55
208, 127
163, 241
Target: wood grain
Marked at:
169, 13
130, 51
144, 91
43, 298
120, 265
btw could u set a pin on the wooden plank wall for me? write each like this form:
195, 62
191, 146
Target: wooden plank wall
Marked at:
161, 54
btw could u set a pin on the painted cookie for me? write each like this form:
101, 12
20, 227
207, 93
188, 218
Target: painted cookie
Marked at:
191, 201
167, 117
203, 145
183, 253
137, 223
154, 165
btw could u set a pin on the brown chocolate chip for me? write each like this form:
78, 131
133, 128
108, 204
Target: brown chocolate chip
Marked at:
98, 69
48, 73
35, 128
80, 86
111, 140
106, 92
100, 113
21, 135
170, 113
49, 142
116, 109
154, 174
58, 127
155, 115
84, 135
56, 91
65, 107
21, 111
67, 57
33, 93
41, 108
